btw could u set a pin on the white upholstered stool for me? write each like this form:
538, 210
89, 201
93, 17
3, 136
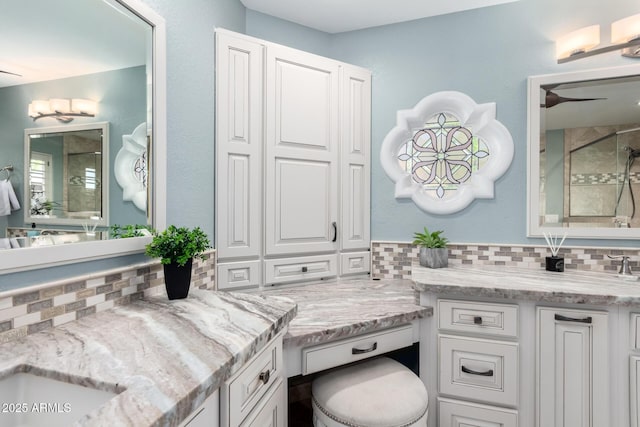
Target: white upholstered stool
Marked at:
376, 393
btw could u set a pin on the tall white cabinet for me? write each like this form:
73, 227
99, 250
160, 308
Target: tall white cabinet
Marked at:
292, 164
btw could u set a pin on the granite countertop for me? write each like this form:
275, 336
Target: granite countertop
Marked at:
340, 308
163, 357
529, 284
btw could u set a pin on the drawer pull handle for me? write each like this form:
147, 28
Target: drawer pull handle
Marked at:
335, 231
264, 376
477, 320
488, 373
374, 347
305, 269
573, 319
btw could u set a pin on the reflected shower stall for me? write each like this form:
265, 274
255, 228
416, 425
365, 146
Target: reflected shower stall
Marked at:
604, 179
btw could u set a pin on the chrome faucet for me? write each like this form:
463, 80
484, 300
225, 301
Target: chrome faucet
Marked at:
625, 267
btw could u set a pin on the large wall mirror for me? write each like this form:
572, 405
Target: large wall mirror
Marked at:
584, 145
62, 169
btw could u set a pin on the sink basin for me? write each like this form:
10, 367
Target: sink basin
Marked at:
31, 400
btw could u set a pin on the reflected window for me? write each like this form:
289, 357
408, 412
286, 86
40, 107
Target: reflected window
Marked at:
40, 183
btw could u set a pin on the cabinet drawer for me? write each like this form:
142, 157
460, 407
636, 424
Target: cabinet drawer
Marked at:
235, 275
270, 412
465, 316
478, 369
243, 391
354, 263
302, 268
454, 413
325, 356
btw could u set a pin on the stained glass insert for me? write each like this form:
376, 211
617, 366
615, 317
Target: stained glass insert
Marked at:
442, 154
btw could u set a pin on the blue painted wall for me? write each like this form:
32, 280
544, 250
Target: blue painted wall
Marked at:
486, 53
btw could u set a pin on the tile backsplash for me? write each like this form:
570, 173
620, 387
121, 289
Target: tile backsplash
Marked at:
24, 312
392, 260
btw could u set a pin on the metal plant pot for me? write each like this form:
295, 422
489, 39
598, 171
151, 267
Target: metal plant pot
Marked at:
434, 257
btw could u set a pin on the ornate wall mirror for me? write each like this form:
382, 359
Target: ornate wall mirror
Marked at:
583, 141
108, 51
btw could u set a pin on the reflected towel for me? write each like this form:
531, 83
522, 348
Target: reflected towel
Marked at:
8, 199
14, 243
5, 243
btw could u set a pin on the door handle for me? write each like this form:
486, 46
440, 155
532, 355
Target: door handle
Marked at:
488, 373
573, 319
374, 347
335, 231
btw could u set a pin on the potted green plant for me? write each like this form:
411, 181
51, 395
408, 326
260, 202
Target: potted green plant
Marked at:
433, 248
176, 247
117, 231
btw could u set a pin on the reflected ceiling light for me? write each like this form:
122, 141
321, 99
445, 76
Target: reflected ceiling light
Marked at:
625, 36
63, 110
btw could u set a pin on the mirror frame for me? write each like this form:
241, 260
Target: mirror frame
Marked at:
15, 260
26, 202
534, 229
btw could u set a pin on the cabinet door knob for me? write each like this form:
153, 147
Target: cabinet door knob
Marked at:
305, 269
264, 376
477, 320
488, 373
335, 231
573, 319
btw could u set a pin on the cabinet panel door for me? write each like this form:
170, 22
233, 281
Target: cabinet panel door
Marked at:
301, 152
634, 395
572, 368
355, 158
238, 146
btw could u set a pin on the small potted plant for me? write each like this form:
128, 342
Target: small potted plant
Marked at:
176, 247
433, 248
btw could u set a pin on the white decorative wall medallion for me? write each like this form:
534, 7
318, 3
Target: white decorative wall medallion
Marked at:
131, 167
446, 151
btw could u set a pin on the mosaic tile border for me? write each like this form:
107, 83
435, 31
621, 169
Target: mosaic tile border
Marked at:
392, 260
24, 312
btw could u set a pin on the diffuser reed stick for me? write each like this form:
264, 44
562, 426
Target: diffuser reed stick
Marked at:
552, 242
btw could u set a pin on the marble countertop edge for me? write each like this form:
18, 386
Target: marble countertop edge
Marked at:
593, 288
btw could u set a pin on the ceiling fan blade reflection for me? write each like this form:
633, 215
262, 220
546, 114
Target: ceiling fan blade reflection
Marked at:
552, 99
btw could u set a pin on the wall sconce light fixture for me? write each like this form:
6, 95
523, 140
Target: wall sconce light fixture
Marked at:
63, 110
625, 36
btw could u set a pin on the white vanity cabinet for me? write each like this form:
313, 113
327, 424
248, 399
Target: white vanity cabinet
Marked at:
521, 363
207, 415
292, 164
255, 396
573, 368
256, 393
478, 363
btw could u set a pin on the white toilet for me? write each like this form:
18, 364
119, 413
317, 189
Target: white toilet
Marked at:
377, 393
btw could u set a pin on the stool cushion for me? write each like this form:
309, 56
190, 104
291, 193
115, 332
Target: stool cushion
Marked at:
376, 393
